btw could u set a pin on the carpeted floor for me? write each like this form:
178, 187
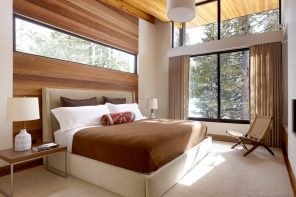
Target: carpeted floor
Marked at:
224, 172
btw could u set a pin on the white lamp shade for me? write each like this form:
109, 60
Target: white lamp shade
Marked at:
181, 10
153, 103
23, 109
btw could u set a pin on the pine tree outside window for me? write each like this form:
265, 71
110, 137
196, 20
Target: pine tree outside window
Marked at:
222, 19
219, 87
34, 38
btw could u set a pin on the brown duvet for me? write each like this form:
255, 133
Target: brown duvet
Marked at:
142, 146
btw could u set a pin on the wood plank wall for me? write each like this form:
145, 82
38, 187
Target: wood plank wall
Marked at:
89, 18
31, 73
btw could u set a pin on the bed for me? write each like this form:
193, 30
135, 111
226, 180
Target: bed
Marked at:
152, 181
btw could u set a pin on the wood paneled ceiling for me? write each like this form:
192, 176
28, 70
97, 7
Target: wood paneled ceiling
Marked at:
206, 13
87, 18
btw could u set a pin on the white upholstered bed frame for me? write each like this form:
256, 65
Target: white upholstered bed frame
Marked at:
118, 180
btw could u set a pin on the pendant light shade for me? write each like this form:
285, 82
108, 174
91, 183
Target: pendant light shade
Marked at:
181, 10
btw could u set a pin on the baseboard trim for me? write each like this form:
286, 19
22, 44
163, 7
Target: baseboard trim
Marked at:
224, 138
5, 170
290, 171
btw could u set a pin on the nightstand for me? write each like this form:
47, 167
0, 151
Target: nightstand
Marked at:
13, 157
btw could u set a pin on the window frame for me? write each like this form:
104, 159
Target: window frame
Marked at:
182, 33
218, 119
16, 16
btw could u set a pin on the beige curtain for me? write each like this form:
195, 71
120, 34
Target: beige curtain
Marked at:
178, 87
266, 87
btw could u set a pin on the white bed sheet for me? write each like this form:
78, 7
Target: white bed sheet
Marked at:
66, 138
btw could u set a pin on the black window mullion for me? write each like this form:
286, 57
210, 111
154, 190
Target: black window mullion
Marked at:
173, 32
14, 34
219, 19
136, 64
218, 87
183, 34
280, 12
218, 59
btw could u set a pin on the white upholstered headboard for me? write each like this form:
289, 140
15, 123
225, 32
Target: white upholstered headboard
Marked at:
51, 100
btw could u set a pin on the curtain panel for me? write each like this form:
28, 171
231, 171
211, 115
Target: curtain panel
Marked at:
266, 87
178, 87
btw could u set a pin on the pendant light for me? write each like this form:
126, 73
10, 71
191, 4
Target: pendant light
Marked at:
181, 10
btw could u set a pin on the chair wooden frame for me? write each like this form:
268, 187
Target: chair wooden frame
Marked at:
241, 139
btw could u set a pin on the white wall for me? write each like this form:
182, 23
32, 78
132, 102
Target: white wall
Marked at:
153, 65
163, 43
220, 128
285, 80
227, 44
284, 67
146, 64
289, 17
6, 47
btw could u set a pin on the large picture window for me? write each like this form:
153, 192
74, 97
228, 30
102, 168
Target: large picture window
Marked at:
219, 87
220, 19
37, 39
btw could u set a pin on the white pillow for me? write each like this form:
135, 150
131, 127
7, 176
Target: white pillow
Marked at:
133, 107
75, 117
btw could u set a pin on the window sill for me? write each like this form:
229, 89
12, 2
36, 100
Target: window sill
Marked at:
220, 121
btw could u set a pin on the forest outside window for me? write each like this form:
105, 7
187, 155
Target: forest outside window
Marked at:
219, 87
259, 16
204, 26
220, 19
37, 39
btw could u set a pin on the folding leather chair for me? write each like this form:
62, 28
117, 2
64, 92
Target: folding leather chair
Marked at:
254, 135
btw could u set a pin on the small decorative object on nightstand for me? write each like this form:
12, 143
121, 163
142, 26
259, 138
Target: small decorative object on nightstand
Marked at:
152, 106
23, 109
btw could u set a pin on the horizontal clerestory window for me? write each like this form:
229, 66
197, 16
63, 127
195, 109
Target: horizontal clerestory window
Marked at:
38, 39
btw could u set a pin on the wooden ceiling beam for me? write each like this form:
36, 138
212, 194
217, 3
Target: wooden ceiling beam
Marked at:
133, 10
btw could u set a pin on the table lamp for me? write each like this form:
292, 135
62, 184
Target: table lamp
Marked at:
23, 109
153, 105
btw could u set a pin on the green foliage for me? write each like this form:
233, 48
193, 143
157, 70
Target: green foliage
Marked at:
203, 84
234, 70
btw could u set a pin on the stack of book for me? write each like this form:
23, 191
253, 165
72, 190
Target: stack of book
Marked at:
44, 147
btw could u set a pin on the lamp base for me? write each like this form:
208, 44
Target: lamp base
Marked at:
22, 141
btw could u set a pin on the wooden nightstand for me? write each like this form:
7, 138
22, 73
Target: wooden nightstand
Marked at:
12, 157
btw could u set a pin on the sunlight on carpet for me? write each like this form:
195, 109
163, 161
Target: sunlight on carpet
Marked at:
211, 161
226, 172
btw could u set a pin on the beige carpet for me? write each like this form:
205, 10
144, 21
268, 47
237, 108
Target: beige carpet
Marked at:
224, 172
